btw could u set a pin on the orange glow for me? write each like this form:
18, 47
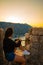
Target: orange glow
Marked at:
37, 25
22, 11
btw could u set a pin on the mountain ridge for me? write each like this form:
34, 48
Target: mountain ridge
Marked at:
19, 28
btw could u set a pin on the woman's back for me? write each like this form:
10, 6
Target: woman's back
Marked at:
8, 45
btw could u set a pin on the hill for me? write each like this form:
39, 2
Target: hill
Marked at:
19, 29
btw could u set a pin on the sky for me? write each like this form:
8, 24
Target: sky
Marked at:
22, 11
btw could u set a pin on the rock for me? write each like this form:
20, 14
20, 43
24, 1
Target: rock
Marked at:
36, 48
37, 31
1, 45
34, 38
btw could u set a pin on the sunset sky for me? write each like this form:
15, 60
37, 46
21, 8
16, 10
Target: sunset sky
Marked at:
22, 11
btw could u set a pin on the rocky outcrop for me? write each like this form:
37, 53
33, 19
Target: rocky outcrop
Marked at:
1, 45
36, 46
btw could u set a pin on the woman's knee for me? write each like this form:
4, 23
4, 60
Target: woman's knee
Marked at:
23, 60
20, 59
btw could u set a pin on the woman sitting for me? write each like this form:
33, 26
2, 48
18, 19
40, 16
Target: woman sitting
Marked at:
9, 47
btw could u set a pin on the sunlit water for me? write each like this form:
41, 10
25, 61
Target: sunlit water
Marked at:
23, 40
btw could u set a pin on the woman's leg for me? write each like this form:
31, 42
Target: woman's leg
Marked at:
20, 59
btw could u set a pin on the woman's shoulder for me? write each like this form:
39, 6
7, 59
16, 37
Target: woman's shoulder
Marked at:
8, 40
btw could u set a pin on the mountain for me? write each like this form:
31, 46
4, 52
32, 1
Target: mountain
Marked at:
19, 29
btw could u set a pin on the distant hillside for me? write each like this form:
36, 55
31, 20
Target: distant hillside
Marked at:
19, 29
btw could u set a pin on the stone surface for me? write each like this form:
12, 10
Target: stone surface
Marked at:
37, 31
1, 45
36, 48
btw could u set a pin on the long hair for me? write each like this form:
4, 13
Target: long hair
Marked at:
8, 32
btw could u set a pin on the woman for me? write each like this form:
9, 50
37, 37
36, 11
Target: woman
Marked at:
9, 48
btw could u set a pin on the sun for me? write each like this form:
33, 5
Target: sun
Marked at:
14, 19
